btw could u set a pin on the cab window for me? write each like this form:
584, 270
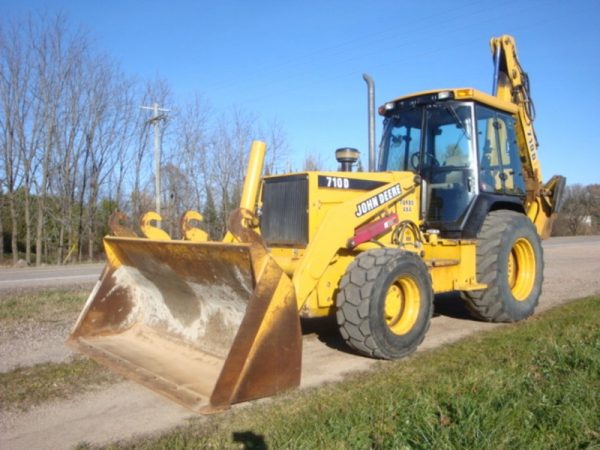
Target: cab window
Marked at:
500, 168
401, 140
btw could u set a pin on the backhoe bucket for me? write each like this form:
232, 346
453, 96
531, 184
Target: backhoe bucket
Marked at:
205, 324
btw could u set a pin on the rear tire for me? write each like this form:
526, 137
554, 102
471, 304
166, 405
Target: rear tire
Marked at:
510, 262
385, 303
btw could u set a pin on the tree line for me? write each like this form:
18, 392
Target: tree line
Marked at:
75, 145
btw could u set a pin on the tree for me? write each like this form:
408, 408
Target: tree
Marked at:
211, 216
312, 162
579, 208
192, 146
13, 104
226, 162
594, 190
277, 148
54, 59
1, 224
75, 143
177, 194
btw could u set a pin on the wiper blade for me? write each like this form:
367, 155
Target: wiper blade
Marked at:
460, 121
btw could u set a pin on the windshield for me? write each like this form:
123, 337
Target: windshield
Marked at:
448, 143
447, 138
435, 140
401, 140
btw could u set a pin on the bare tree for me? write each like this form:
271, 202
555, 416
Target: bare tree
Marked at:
1, 223
312, 162
577, 210
191, 146
70, 151
277, 148
102, 132
75, 144
216, 160
13, 103
227, 156
177, 194
112, 140
121, 156
594, 190
27, 126
49, 88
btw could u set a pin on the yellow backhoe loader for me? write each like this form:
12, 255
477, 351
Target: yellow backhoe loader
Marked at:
455, 202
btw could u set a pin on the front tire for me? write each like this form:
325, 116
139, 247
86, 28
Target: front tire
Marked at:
510, 261
385, 303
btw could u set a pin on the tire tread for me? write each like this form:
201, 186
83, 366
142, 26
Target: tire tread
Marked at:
487, 304
354, 297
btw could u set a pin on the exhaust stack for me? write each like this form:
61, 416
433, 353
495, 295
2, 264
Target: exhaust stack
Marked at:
371, 100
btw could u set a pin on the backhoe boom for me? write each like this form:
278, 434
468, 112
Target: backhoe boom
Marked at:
511, 84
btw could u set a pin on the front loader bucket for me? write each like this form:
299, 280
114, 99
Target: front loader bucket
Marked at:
205, 324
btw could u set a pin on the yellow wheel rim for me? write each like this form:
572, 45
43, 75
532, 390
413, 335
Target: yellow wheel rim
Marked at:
402, 304
521, 269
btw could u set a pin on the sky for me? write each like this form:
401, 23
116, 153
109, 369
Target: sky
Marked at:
301, 63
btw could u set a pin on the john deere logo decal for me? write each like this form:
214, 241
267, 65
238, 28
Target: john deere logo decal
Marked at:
377, 200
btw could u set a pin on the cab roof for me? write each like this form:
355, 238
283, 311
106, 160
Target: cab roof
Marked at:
460, 94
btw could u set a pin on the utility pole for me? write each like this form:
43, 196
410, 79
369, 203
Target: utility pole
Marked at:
157, 117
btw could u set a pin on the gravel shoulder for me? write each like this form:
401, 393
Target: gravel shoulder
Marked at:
32, 342
125, 410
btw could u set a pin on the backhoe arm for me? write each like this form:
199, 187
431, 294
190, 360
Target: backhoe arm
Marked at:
511, 84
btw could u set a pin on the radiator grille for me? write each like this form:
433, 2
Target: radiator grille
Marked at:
284, 219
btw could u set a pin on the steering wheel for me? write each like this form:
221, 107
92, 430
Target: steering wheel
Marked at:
414, 161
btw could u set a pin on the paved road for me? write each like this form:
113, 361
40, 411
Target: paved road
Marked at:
87, 274
51, 276
571, 241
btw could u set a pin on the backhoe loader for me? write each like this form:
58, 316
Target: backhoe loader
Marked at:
454, 202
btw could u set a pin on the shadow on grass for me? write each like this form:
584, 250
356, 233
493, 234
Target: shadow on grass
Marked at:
250, 440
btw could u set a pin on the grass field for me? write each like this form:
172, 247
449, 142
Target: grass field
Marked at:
45, 305
531, 385
25, 387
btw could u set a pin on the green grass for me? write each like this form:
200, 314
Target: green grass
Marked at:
530, 385
23, 388
47, 305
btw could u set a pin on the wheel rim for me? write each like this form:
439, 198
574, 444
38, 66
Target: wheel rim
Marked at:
521, 269
402, 304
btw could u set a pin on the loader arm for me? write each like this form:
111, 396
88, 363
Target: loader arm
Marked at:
338, 227
511, 84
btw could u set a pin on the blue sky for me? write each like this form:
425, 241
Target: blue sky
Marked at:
301, 62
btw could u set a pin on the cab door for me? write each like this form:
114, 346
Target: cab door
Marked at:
448, 164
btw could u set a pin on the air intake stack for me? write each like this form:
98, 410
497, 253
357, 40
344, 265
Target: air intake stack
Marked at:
347, 157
